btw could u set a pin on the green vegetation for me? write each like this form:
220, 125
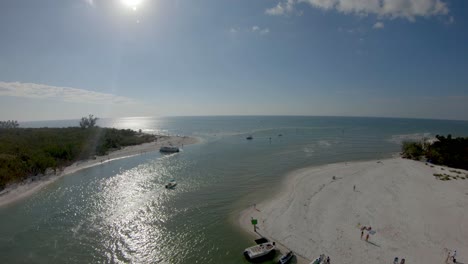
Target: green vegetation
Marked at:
448, 151
26, 152
412, 150
9, 124
452, 152
446, 177
88, 122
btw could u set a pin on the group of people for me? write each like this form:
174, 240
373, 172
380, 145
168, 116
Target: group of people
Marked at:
395, 261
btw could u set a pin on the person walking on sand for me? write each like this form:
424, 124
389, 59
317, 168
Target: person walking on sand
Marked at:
395, 260
362, 234
328, 260
354, 188
367, 237
402, 261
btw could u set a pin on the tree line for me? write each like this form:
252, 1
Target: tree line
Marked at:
26, 152
448, 151
9, 124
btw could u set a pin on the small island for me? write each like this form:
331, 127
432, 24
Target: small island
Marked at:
32, 157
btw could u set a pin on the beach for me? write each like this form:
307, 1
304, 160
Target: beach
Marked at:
18, 191
412, 214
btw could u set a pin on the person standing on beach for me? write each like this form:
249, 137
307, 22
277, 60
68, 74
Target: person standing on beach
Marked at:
362, 234
367, 237
395, 260
328, 260
354, 188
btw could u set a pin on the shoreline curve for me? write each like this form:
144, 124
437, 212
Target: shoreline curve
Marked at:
18, 191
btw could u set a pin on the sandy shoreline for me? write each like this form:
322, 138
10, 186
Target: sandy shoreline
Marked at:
415, 215
22, 190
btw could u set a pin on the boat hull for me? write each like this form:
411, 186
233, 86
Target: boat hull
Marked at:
260, 252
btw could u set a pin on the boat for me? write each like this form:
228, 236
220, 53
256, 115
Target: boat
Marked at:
259, 250
249, 138
286, 258
169, 149
171, 184
280, 135
319, 259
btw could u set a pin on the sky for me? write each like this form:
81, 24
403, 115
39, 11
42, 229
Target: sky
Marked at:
64, 59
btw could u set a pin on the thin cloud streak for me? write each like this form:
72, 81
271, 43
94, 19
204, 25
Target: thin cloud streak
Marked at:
409, 9
65, 94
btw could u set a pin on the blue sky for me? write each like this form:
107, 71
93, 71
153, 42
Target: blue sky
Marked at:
394, 58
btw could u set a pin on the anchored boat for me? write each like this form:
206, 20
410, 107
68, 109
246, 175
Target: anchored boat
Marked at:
169, 149
319, 259
286, 258
259, 250
171, 184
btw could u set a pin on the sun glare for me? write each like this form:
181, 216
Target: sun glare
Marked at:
133, 4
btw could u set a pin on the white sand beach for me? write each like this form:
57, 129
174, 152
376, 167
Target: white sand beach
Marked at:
22, 190
414, 215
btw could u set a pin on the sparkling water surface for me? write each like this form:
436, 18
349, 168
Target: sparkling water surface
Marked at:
120, 212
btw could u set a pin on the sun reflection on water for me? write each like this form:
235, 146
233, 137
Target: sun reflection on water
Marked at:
133, 214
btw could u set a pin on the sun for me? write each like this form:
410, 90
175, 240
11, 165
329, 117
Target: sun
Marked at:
133, 4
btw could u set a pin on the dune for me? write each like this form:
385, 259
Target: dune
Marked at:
413, 214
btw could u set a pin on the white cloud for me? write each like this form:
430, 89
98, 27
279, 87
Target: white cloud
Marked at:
409, 9
259, 30
379, 25
264, 31
254, 29
281, 8
65, 94
90, 2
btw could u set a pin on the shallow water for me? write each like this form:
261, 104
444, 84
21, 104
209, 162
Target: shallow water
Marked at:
121, 212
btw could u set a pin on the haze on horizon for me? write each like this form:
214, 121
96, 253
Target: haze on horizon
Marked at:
115, 58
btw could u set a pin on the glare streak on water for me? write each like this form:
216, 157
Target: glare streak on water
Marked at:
120, 212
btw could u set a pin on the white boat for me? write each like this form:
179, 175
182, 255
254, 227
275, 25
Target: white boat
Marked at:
171, 184
259, 250
319, 259
286, 258
169, 149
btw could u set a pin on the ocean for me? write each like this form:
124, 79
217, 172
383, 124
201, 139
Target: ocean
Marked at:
120, 212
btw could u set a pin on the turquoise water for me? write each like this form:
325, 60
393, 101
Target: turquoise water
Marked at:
120, 212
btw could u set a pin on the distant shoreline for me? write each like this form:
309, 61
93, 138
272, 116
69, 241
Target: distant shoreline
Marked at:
415, 215
18, 191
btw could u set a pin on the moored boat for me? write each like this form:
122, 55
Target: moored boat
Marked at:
319, 259
171, 184
286, 258
169, 149
259, 250
249, 138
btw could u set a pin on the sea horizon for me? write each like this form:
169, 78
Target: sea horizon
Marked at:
234, 115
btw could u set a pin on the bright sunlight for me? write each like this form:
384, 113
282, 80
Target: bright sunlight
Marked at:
133, 4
